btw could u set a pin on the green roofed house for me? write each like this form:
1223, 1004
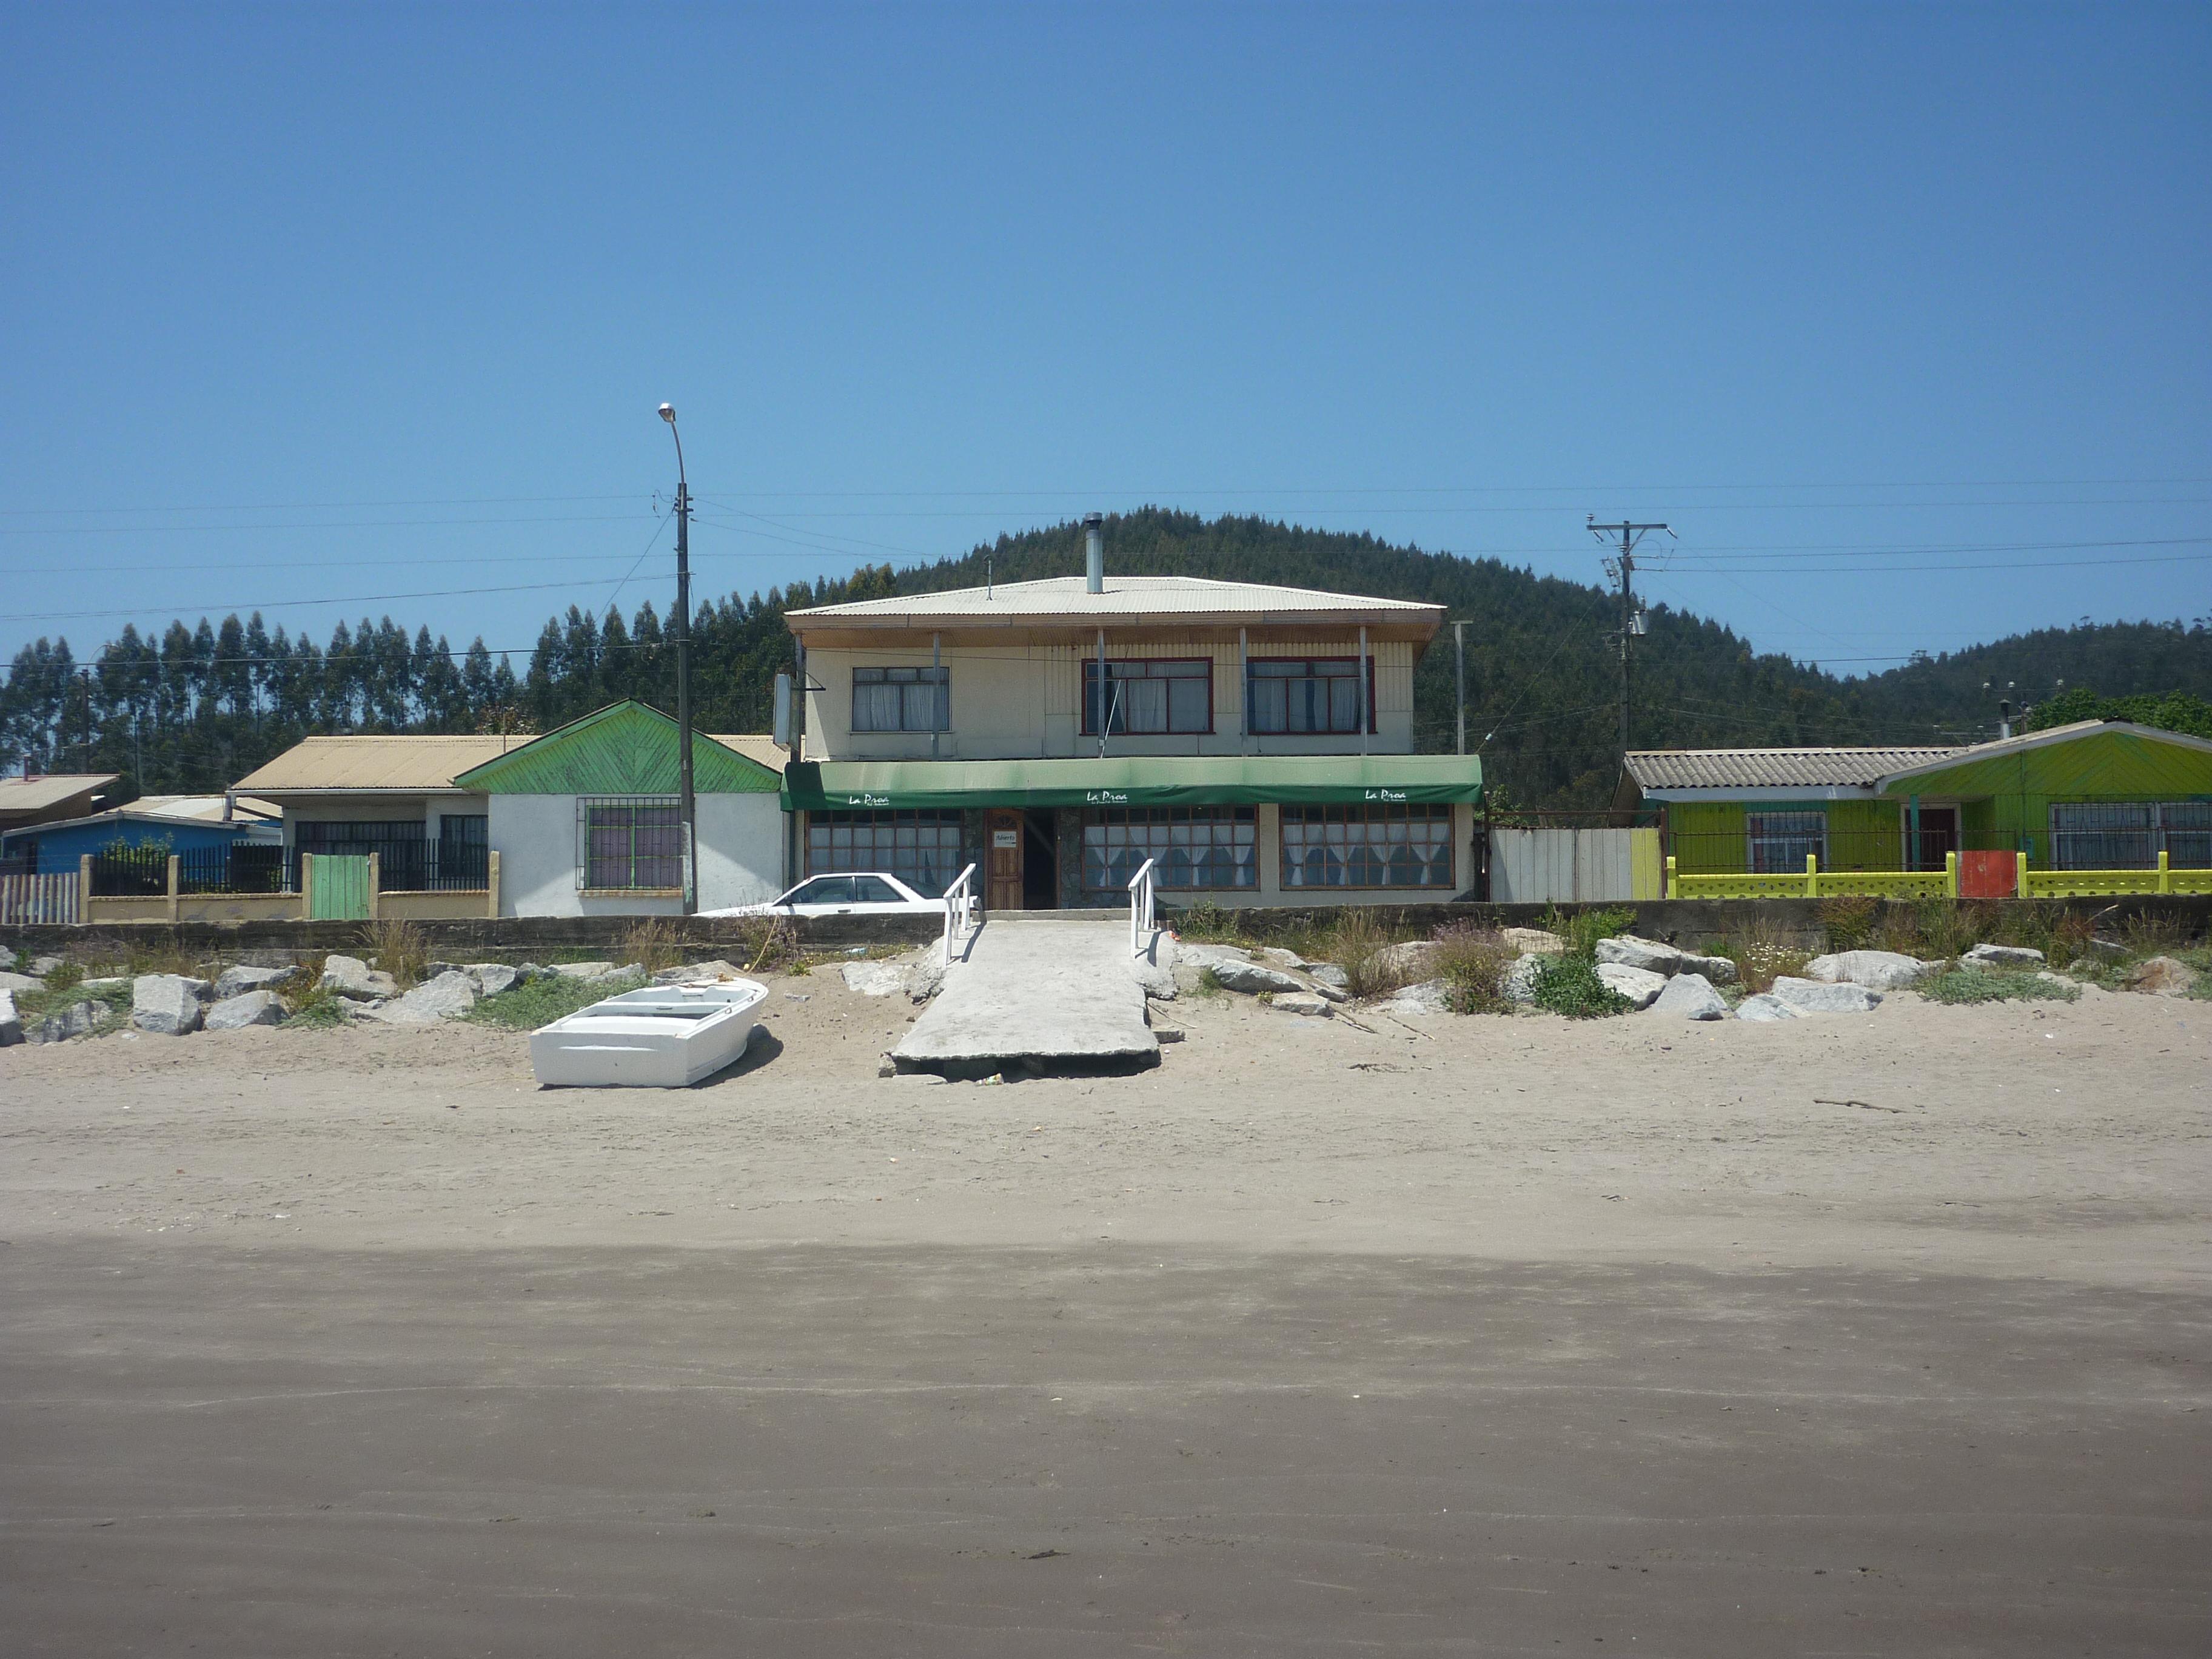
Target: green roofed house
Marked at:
2107, 797
1254, 742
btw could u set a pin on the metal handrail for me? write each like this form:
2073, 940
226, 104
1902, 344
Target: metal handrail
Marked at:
1140, 908
959, 901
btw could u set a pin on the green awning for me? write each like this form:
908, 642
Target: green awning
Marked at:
1134, 780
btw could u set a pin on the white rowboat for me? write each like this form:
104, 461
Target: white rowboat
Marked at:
664, 1037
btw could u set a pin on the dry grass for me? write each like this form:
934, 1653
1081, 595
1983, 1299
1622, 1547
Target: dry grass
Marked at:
651, 944
1473, 963
1762, 956
766, 942
399, 949
1358, 944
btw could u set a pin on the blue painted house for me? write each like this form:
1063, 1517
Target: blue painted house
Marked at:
182, 823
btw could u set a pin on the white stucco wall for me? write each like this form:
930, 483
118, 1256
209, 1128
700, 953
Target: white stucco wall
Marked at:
741, 852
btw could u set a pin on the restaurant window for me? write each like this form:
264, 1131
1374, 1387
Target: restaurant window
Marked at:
1190, 846
1293, 695
1150, 696
922, 849
1778, 843
902, 699
1367, 847
630, 843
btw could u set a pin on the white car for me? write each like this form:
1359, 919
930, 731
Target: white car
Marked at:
856, 893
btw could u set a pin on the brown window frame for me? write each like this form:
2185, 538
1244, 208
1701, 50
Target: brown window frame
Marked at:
1377, 812
1350, 730
1090, 668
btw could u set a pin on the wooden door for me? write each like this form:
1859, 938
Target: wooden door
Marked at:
337, 889
1002, 855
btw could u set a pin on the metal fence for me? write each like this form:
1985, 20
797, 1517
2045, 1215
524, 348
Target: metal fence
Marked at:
130, 873
432, 866
241, 867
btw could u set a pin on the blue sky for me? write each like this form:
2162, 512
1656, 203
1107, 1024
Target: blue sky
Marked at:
1897, 314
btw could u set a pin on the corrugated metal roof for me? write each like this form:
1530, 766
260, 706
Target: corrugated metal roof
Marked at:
756, 746
414, 763
1773, 768
204, 809
56, 789
1061, 598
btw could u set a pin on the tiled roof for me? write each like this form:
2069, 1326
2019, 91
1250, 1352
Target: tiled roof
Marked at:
1062, 598
1774, 768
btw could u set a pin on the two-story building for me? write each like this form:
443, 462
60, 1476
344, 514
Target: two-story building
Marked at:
1255, 742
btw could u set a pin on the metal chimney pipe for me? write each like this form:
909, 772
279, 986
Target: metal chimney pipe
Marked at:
1094, 552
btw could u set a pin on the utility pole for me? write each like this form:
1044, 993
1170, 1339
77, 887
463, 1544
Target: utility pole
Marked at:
1459, 647
1622, 565
687, 802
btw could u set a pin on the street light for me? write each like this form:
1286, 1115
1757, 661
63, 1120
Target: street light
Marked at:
686, 804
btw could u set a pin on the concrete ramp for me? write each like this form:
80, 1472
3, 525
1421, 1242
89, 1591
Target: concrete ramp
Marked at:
1037, 995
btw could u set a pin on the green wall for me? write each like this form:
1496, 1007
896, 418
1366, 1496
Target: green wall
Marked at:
1710, 837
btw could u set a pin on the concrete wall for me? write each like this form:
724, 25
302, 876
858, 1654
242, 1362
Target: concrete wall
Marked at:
740, 853
1017, 701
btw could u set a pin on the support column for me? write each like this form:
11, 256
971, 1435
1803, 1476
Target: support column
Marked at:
174, 861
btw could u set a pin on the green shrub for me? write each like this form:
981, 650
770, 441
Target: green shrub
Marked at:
1583, 929
52, 998
1569, 985
1967, 984
536, 1002
317, 1008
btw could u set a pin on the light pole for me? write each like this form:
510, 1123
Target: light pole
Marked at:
687, 806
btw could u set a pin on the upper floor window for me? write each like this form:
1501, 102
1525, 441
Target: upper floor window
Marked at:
902, 699
1307, 694
1150, 696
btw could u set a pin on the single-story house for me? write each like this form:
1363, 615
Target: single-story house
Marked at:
584, 819
180, 823
50, 797
2093, 795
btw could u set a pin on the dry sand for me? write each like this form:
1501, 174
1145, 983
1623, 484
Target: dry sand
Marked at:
2046, 1140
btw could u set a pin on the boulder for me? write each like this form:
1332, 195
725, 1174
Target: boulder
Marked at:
1520, 982
1328, 973
2162, 976
7, 957
873, 979
1814, 996
1155, 969
490, 978
110, 982
1196, 956
1718, 969
692, 973
1533, 941
1626, 950
237, 981
349, 976
11, 1022
451, 994
1420, 1001
1763, 1007
1878, 971
1689, 996
1413, 957
1301, 1002
925, 973
1282, 958
1641, 986
1254, 976
41, 966
2004, 956
531, 970
20, 982
583, 970
168, 1004
78, 1019
247, 1008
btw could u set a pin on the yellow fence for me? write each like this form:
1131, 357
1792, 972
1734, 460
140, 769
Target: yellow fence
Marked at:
1816, 883
2112, 884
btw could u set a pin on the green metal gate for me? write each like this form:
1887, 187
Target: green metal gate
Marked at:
337, 889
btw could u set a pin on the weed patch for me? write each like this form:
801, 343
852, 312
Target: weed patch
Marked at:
1849, 922
1583, 929
1969, 985
536, 1002
399, 949
1473, 964
651, 944
1569, 985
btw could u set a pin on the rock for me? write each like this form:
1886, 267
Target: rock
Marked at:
432, 970
1763, 1007
699, 973
1420, 1001
20, 982
349, 976
1718, 969
490, 978
7, 958
1207, 956
2162, 976
237, 981
2004, 956
1328, 973
1163, 1032
530, 970
1411, 960
1189, 979
11, 1022
1814, 996
873, 979
1626, 950
1641, 986
1282, 958
925, 973
583, 970
78, 1019
1253, 977
110, 982
168, 1004
247, 1008
1533, 941
450, 994
1689, 996
886, 1068
1301, 1002
1878, 971
41, 966
1520, 983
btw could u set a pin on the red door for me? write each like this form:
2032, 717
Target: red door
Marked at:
1988, 875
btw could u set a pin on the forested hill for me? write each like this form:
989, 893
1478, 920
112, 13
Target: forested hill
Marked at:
197, 707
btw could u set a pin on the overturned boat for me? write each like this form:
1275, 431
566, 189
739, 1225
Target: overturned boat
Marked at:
663, 1037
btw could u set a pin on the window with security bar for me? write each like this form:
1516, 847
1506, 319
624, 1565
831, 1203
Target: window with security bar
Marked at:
1778, 843
1149, 696
1190, 846
1367, 847
630, 843
2095, 835
922, 848
903, 699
